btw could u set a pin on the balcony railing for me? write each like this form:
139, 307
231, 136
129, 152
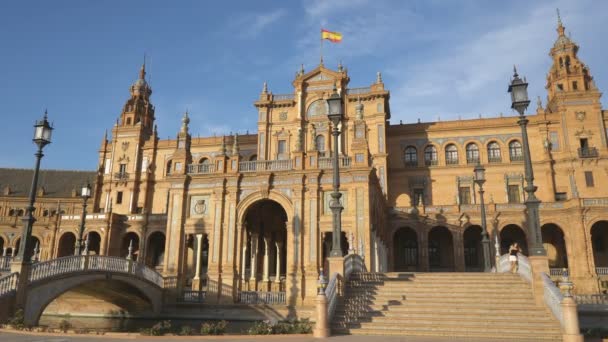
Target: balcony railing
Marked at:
355, 91
411, 163
451, 161
121, 176
282, 97
588, 152
328, 162
473, 160
517, 158
495, 159
601, 270
201, 168
431, 162
265, 165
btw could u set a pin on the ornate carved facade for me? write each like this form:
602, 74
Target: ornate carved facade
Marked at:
243, 213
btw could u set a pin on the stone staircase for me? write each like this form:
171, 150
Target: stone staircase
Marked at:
495, 306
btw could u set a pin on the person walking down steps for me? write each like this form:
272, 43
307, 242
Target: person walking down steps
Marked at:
513, 250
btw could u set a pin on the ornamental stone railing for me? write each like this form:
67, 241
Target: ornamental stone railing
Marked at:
197, 169
283, 97
80, 263
266, 165
355, 91
331, 292
592, 299
553, 298
601, 271
523, 269
328, 162
189, 296
8, 284
262, 297
5, 263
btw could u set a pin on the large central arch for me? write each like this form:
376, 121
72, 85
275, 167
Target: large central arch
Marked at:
264, 232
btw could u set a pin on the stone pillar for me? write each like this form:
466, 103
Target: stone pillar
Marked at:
266, 269
278, 270
4, 251
14, 252
254, 261
196, 282
571, 328
539, 265
321, 325
244, 257
458, 245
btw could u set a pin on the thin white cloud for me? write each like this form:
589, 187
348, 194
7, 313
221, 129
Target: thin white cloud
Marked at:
252, 24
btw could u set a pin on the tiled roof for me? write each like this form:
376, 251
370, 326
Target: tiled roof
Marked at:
56, 183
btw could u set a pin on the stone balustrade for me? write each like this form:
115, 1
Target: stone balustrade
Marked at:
5, 263
328, 162
261, 297
265, 165
8, 284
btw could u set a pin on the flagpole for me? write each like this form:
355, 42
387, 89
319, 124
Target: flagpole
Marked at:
321, 49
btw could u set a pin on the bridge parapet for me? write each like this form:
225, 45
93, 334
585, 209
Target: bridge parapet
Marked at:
80, 263
8, 284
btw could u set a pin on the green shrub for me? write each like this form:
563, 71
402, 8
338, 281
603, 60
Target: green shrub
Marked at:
186, 330
160, 328
65, 325
280, 328
214, 328
260, 328
18, 320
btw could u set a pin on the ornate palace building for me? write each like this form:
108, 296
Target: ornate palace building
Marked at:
242, 213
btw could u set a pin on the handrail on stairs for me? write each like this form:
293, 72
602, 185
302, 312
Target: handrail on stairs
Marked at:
523, 266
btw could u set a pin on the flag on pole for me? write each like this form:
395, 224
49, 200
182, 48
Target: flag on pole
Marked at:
334, 37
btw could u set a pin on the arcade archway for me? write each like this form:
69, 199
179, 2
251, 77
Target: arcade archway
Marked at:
599, 242
555, 245
67, 245
473, 252
510, 234
405, 250
441, 249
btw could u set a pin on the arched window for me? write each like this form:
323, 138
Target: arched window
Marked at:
318, 108
204, 161
253, 157
430, 155
451, 154
515, 151
494, 152
472, 153
411, 156
320, 143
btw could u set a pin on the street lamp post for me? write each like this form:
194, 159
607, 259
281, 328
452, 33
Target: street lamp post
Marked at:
42, 137
480, 179
85, 194
519, 102
335, 115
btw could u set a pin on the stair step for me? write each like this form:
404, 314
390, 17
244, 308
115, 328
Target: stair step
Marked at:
504, 313
419, 293
479, 322
494, 336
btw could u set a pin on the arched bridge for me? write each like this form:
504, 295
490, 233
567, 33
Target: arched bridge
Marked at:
49, 279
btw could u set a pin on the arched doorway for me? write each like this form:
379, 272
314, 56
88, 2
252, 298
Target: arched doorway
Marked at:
327, 244
133, 240
66, 245
510, 234
405, 250
441, 249
599, 242
265, 238
155, 254
31, 247
555, 245
94, 242
473, 252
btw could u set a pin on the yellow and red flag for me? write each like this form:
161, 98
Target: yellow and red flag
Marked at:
334, 37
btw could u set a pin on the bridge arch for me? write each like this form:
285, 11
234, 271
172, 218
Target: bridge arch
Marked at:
138, 280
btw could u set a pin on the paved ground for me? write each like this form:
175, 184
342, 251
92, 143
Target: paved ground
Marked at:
14, 337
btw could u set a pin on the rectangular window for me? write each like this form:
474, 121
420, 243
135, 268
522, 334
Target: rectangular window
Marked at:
119, 197
554, 139
514, 194
561, 196
574, 85
584, 143
418, 197
107, 168
122, 168
282, 146
589, 179
464, 194
560, 86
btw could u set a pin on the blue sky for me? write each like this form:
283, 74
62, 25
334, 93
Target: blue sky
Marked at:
440, 59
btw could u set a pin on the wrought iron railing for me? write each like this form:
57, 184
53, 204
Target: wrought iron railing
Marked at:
516, 157
328, 162
121, 176
262, 297
431, 162
411, 163
193, 296
587, 152
495, 159
265, 165
8, 283
472, 160
201, 168
451, 161
556, 271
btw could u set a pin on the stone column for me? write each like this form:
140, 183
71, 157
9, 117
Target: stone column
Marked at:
4, 251
197, 262
266, 260
244, 257
254, 260
278, 276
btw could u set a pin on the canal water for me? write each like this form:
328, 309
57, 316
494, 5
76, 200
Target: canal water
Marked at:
120, 324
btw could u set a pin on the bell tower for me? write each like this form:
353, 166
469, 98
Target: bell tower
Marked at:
138, 110
568, 77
